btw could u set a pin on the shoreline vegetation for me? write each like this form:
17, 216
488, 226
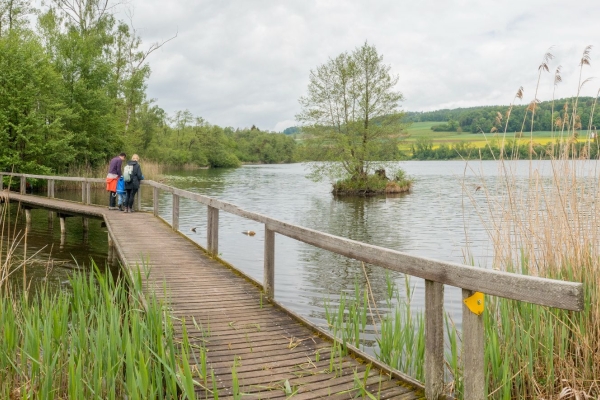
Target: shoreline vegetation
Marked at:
373, 185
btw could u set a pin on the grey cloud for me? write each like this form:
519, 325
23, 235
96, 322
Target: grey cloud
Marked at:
238, 63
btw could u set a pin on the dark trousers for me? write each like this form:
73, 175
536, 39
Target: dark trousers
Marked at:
130, 196
112, 200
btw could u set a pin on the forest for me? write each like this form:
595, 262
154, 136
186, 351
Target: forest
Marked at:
73, 82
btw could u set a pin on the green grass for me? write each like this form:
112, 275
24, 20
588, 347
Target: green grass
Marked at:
97, 341
422, 130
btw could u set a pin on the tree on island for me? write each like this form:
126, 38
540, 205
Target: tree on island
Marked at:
351, 121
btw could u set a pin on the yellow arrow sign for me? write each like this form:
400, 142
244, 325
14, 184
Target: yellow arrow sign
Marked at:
475, 303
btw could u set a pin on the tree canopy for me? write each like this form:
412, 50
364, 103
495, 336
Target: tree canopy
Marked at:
350, 115
73, 93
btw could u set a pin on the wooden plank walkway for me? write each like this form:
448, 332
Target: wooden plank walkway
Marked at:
225, 312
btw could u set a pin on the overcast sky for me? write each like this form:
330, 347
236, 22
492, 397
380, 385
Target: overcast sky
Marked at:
243, 62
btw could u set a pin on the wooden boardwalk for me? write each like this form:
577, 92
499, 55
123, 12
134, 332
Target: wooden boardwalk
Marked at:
226, 313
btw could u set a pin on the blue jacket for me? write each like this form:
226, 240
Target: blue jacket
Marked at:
121, 186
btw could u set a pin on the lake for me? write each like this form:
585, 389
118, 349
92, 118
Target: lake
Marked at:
438, 220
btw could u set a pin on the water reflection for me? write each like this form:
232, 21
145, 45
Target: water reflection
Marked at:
43, 255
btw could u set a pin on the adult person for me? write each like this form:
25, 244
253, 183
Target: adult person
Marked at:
114, 173
133, 184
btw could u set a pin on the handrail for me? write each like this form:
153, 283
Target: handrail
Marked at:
55, 177
535, 290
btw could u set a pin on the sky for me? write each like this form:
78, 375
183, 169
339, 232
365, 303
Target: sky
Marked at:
240, 63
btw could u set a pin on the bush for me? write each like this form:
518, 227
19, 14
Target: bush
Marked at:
375, 184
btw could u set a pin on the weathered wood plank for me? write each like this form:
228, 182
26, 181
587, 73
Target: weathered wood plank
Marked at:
434, 340
155, 199
269, 264
175, 213
212, 234
473, 352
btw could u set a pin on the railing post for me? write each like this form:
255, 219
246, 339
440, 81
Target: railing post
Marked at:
434, 340
473, 352
1, 182
139, 199
51, 188
212, 234
155, 200
88, 194
83, 196
23, 188
50, 196
175, 223
269, 269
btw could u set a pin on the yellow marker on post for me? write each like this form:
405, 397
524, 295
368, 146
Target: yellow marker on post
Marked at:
475, 303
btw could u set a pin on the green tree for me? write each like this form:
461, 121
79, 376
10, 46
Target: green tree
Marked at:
79, 35
32, 137
350, 114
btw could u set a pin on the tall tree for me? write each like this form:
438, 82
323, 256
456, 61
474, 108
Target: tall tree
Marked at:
79, 35
351, 113
13, 15
32, 137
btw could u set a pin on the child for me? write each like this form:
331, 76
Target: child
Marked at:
122, 194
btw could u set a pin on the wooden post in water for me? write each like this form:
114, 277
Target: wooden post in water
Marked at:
212, 234
28, 216
434, 340
473, 352
23, 188
1, 182
63, 229
50, 196
86, 199
175, 223
155, 201
111, 249
269, 268
63, 225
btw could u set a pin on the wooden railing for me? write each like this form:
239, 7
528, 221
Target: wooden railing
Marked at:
545, 292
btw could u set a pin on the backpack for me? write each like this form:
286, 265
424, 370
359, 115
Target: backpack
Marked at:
127, 173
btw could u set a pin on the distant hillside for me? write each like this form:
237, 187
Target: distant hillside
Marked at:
291, 130
488, 118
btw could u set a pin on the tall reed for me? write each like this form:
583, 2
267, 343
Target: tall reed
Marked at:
401, 332
97, 341
547, 224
